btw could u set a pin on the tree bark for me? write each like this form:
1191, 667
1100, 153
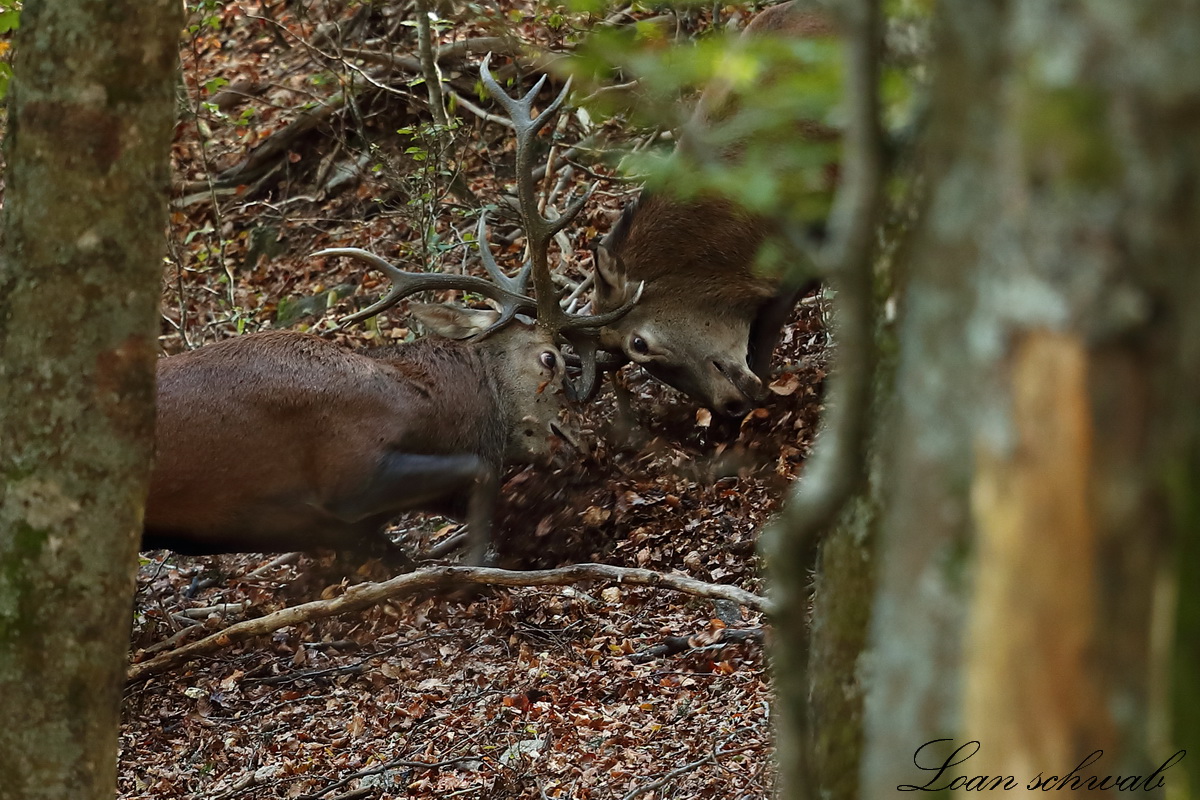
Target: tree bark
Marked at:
1041, 466
90, 118
844, 586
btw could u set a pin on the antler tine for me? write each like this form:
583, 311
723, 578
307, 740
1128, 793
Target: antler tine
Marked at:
584, 321
537, 227
584, 388
541, 119
405, 284
578, 329
517, 284
572, 210
519, 110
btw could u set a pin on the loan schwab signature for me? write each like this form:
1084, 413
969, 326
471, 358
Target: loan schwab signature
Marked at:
946, 777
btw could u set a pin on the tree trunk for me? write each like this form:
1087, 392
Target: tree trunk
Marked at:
1042, 461
841, 615
90, 118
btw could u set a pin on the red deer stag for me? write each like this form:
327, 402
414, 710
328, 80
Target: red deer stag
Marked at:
706, 323
282, 441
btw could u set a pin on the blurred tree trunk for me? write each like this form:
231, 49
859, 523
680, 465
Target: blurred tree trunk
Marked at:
1032, 521
1040, 471
90, 119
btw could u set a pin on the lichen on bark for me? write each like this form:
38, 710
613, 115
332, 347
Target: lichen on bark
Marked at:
1057, 256
90, 118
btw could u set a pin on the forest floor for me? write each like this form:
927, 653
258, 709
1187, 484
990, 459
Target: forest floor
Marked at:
288, 143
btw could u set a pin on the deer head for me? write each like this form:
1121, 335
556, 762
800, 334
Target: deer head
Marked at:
529, 373
707, 321
692, 326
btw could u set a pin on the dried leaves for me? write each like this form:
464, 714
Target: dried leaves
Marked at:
547, 693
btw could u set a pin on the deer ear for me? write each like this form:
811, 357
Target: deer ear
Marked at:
453, 322
612, 284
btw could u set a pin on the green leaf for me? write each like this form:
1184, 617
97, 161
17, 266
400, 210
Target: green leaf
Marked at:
587, 6
10, 20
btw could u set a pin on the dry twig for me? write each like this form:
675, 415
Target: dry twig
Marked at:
381, 768
366, 595
710, 758
680, 644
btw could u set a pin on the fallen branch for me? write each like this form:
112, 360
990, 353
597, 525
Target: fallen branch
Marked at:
445, 547
243, 783
173, 639
390, 765
619, 90
219, 608
276, 145
365, 595
354, 794
278, 561
680, 644
258, 160
501, 46
347, 669
487, 116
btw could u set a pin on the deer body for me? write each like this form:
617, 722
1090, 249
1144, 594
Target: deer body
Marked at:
283, 441
706, 323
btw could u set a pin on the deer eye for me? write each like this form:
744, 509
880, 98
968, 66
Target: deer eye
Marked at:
639, 345
549, 360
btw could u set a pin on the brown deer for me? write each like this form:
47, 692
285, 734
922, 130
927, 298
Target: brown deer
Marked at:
283, 441
706, 323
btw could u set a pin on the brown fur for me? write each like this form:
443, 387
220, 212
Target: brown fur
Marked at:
791, 19
262, 438
658, 232
709, 321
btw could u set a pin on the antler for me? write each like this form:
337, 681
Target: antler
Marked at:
506, 292
580, 330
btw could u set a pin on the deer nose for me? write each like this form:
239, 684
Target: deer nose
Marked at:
735, 407
742, 391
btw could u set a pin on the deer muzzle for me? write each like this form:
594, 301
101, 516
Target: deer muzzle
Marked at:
563, 432
735, 390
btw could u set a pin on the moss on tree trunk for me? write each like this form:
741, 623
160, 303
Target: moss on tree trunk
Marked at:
1047, 391
1023, 557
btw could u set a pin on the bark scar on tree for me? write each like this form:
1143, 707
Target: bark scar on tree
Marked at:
123, 383
1032, 633
79, 131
